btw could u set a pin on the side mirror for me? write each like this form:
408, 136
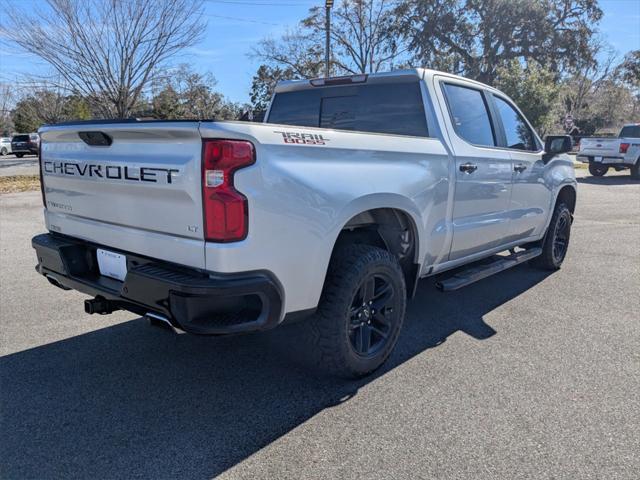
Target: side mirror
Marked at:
556, 144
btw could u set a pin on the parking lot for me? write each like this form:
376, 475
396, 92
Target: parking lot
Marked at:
12, 165
523, 375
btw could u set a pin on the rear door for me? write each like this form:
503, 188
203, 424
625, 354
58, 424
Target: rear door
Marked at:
134, 186
482, 170
530, 196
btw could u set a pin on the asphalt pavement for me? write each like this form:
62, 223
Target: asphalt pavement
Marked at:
523, 375
11, 165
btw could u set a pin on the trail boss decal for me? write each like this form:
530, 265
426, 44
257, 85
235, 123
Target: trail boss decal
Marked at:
303, 138
112, 172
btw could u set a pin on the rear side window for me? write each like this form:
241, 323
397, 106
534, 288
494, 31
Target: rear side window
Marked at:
519, 135
469, 114
390, 108
630, 131
21, 138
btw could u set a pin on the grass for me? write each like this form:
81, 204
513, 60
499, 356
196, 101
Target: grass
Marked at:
19, 183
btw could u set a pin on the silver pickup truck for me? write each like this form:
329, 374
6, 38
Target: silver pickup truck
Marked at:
352, 190
621, 153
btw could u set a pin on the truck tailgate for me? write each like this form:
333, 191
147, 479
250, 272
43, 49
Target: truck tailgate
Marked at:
606, 147
141, 193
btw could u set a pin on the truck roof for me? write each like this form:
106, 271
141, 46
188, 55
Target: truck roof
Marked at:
380, 77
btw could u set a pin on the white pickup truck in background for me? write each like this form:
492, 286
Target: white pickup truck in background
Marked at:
602, 153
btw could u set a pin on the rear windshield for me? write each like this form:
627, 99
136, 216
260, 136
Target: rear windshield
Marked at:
21, 138
391, 108
630, 131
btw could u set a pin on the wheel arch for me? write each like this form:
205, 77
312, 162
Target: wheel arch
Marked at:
567, 194
393, 229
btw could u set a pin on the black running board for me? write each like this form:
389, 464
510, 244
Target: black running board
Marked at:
478, 272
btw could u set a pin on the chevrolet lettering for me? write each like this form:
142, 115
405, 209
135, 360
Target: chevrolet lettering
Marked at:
112, 172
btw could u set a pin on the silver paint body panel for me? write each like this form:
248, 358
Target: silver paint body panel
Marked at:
301, 196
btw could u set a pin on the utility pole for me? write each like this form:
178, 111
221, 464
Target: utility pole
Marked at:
327, 26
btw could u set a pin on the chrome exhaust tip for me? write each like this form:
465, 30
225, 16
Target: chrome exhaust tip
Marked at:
163, 322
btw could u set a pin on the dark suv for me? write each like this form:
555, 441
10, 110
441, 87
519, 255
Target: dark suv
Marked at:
22, 145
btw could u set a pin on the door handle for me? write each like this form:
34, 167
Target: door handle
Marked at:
521, 167
468, 167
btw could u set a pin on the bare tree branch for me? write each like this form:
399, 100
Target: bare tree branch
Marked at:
106, 50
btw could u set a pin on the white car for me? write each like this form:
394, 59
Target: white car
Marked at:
602, 153
5, 146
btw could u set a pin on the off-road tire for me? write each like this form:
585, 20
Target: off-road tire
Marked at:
550, 259
19, 155
597, 169
635, 170
332, 326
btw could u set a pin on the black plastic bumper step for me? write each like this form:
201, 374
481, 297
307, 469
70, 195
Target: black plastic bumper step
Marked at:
478, 272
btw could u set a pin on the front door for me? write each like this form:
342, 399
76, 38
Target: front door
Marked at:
530, 196
483, 173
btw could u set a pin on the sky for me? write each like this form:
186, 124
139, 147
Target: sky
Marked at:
234, 26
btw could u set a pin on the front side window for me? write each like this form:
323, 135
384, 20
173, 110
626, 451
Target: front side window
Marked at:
518, 134
469, 114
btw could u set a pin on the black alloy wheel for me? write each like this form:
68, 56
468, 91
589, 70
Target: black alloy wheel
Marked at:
372, 315
561, 238
360, 313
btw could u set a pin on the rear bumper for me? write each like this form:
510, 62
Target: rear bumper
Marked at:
192, 300
604, 160
26, 150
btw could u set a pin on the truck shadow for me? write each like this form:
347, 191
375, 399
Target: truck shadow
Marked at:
612, 180
134, 401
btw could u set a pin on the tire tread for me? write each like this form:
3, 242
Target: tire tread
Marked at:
329, 346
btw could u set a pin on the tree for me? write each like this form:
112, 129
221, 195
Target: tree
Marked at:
6, 102
184, 94
107, 51
296, 53
25, 116
363, 40
46, 106
534, 90
363, 35
264, 83
477, 37
629, 71
166, 104
76, 108
587, 76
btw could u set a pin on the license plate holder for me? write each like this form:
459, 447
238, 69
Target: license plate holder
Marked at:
112, 264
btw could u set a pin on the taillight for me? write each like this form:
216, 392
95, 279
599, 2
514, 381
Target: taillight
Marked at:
44, 200
226, 213
624, 147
